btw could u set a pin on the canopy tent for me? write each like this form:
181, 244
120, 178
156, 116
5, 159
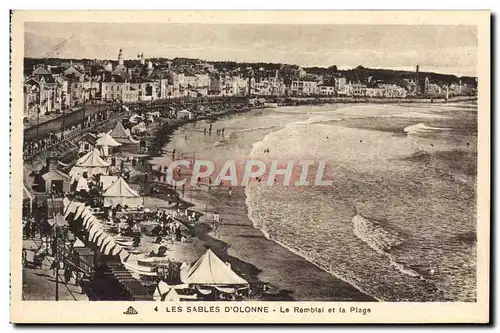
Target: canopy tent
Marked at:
120, 193
164, 292
106, 181
74, 211
210, 270
122, 135
171, 296
104, 142
92, 163
119, 132
107, 140
78, 243
82, 185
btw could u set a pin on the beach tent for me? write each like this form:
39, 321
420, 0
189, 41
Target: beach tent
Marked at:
107, 140
78, 243
82, 185
122, 135
92, 163
210, 270
74, 211
166, 293
120, 193
106, 181
119, 132
171, 296
161, 289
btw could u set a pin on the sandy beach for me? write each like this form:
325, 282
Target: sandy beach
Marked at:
371, 156
237, 241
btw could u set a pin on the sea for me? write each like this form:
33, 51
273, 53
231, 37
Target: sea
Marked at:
398, 221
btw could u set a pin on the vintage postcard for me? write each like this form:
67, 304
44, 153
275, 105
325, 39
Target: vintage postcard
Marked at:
250, 167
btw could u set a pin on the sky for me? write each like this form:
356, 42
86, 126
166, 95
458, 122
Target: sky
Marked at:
443, 49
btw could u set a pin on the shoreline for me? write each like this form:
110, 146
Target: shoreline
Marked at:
238, 237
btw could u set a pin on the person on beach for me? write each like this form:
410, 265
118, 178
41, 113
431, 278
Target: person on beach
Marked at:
230, 191
204, 131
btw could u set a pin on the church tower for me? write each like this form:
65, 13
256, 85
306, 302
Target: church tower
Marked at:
120, 58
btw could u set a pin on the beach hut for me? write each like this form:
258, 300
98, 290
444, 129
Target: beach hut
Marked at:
210, 270
92, 163
184, 114
56, 180
87, 143
120, 193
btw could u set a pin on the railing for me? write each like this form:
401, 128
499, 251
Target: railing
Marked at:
72, 135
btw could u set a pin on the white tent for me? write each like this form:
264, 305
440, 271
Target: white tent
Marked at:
212, 271
78, 243
96, 233
82, 185
166, 293
107, 140
139, 128
119, 132
171, 296
122, 135
104, 142
106, 181
161, 289
120, 193
92, 163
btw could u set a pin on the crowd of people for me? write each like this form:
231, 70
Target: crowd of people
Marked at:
40, 144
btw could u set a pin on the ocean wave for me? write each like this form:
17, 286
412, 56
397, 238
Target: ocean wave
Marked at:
380, 240
423, 128
275, 238
252, 129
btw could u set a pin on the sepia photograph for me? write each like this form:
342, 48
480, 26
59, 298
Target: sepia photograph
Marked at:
325, 166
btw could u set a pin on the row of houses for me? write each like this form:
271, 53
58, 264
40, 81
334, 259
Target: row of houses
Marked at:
57, 88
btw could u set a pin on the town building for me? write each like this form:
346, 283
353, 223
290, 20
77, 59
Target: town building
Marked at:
326, 90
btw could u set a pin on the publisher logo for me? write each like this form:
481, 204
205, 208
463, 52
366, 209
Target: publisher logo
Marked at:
130, 311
